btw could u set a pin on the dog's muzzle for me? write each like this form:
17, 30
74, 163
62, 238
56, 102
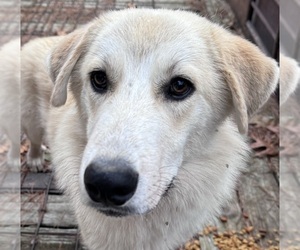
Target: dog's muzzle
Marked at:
110, 183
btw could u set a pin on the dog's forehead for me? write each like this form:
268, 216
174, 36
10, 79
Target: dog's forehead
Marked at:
150, 25
149, 28
140, 33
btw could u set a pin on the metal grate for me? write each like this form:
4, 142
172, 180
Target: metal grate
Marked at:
38, 231
53, 17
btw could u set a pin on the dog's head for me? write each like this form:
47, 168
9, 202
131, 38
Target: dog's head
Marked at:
149, 85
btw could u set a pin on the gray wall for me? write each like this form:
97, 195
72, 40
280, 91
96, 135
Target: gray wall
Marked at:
290, 28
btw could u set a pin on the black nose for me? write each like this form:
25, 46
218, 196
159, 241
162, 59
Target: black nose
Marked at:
110, 182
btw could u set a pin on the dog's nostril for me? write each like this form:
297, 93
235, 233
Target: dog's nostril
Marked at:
110, 183
93, 191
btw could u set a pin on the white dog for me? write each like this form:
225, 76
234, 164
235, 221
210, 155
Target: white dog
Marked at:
9, 99
26, 91
36, 88
149, 108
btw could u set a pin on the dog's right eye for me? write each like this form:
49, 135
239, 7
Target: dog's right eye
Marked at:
99, 81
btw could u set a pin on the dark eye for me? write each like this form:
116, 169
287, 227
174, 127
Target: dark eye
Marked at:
179, 88
99, 81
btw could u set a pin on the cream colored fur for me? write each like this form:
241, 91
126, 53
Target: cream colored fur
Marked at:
289, 77
10, 100
26, 93
36, 88
197, 141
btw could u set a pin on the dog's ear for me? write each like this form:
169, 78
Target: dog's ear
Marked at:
289, 77
61, 62
250, 75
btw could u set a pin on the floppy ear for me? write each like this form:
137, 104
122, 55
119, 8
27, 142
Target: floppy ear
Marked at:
61, 62
250, 75
289, 77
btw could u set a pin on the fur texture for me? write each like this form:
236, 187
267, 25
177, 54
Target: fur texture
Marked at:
289, 77
36, 91
10, 100
196, 142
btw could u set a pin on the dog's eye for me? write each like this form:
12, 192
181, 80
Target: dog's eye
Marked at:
99, 81
179, 88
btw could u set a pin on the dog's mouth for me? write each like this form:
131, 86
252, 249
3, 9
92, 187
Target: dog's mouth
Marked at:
113, 211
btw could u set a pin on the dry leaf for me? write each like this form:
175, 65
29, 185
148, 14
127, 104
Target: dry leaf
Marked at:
265, 140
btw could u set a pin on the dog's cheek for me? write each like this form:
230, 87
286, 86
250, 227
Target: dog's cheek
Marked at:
78, 89
202, 120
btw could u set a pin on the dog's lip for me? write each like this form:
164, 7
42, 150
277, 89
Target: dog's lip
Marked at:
112, 211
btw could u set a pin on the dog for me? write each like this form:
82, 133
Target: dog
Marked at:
147, 123
25, 98
35, 96
10, 100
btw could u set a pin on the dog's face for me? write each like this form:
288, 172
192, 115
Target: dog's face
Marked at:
151, 87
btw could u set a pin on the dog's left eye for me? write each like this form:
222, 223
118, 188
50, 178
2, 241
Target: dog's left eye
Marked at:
179, 88
99, 81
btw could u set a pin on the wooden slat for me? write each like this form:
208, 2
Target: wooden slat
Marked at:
10, 209
289, 200
49, 238
259, 197
30, 208
59, 212
9, 181
38, 181
10, 241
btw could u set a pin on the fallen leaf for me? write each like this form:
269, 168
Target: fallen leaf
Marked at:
265, 140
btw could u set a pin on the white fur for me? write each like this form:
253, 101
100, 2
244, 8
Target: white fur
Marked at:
196, 141
26, 93
36, 89
9, 99
289, 77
